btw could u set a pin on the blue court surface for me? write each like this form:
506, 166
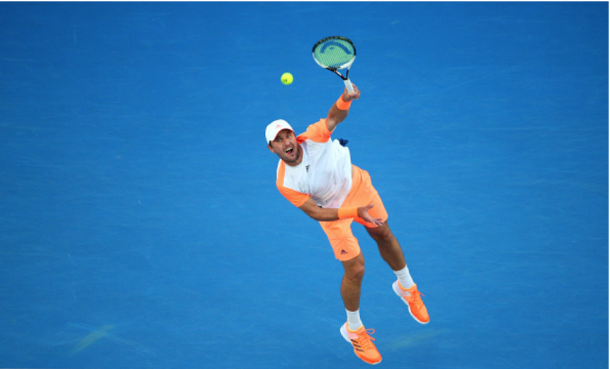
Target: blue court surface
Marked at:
140, 222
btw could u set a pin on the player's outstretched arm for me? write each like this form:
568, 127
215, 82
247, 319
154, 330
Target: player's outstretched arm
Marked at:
324, 215
336, 115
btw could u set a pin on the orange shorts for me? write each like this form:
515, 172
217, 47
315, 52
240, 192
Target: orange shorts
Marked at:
339, 232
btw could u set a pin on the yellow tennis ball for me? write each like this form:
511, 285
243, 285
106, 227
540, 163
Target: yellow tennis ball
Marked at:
287, 78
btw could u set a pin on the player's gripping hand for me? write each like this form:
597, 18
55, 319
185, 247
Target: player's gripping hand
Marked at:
349, 96
363, 212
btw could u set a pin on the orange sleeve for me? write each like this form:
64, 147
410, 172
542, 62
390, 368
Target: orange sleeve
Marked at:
317, 132
295, 197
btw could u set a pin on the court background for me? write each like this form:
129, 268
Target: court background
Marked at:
140, 223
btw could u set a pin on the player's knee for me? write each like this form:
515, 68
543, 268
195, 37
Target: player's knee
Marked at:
355, 275
356, 270
381, 233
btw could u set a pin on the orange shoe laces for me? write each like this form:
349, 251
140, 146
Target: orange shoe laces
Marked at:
413, 296
364, 338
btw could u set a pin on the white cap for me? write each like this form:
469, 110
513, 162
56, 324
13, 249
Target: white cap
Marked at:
274, 128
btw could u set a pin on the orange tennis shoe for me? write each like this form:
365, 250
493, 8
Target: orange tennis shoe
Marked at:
362, 343
411, 297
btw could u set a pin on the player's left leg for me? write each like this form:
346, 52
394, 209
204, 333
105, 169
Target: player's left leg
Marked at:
363, 192
404, 287
388, 245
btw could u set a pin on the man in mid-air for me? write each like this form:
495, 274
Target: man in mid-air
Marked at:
316, 175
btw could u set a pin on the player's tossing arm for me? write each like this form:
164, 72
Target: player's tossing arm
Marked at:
338, 112
324, 214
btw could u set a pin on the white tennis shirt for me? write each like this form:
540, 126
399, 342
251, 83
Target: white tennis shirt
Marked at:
325, 173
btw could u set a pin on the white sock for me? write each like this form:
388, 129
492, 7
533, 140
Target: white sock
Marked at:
353, 320
404, 277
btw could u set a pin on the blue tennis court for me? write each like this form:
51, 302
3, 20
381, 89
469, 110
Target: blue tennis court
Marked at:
140, 222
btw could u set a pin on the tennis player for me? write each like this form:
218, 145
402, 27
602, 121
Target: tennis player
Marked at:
317, 176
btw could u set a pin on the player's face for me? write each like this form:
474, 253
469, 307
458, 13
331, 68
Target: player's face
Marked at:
286, 147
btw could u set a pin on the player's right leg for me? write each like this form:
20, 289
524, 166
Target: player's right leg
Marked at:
353, 330
352, 282
347, 250
362, 343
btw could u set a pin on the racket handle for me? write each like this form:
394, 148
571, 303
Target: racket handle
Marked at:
348, 85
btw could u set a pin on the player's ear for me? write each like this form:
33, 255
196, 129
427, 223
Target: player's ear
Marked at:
271, 148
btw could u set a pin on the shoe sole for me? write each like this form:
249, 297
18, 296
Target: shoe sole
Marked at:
343, 331
397, 292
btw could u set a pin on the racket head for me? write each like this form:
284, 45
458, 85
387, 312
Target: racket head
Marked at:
334, 53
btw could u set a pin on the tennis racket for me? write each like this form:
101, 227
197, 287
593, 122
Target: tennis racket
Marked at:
335, 53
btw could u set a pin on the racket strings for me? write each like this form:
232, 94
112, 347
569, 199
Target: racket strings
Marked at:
334, 53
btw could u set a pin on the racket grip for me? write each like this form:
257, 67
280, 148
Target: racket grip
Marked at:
348, 85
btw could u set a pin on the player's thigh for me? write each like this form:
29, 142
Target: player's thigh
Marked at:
342, 240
